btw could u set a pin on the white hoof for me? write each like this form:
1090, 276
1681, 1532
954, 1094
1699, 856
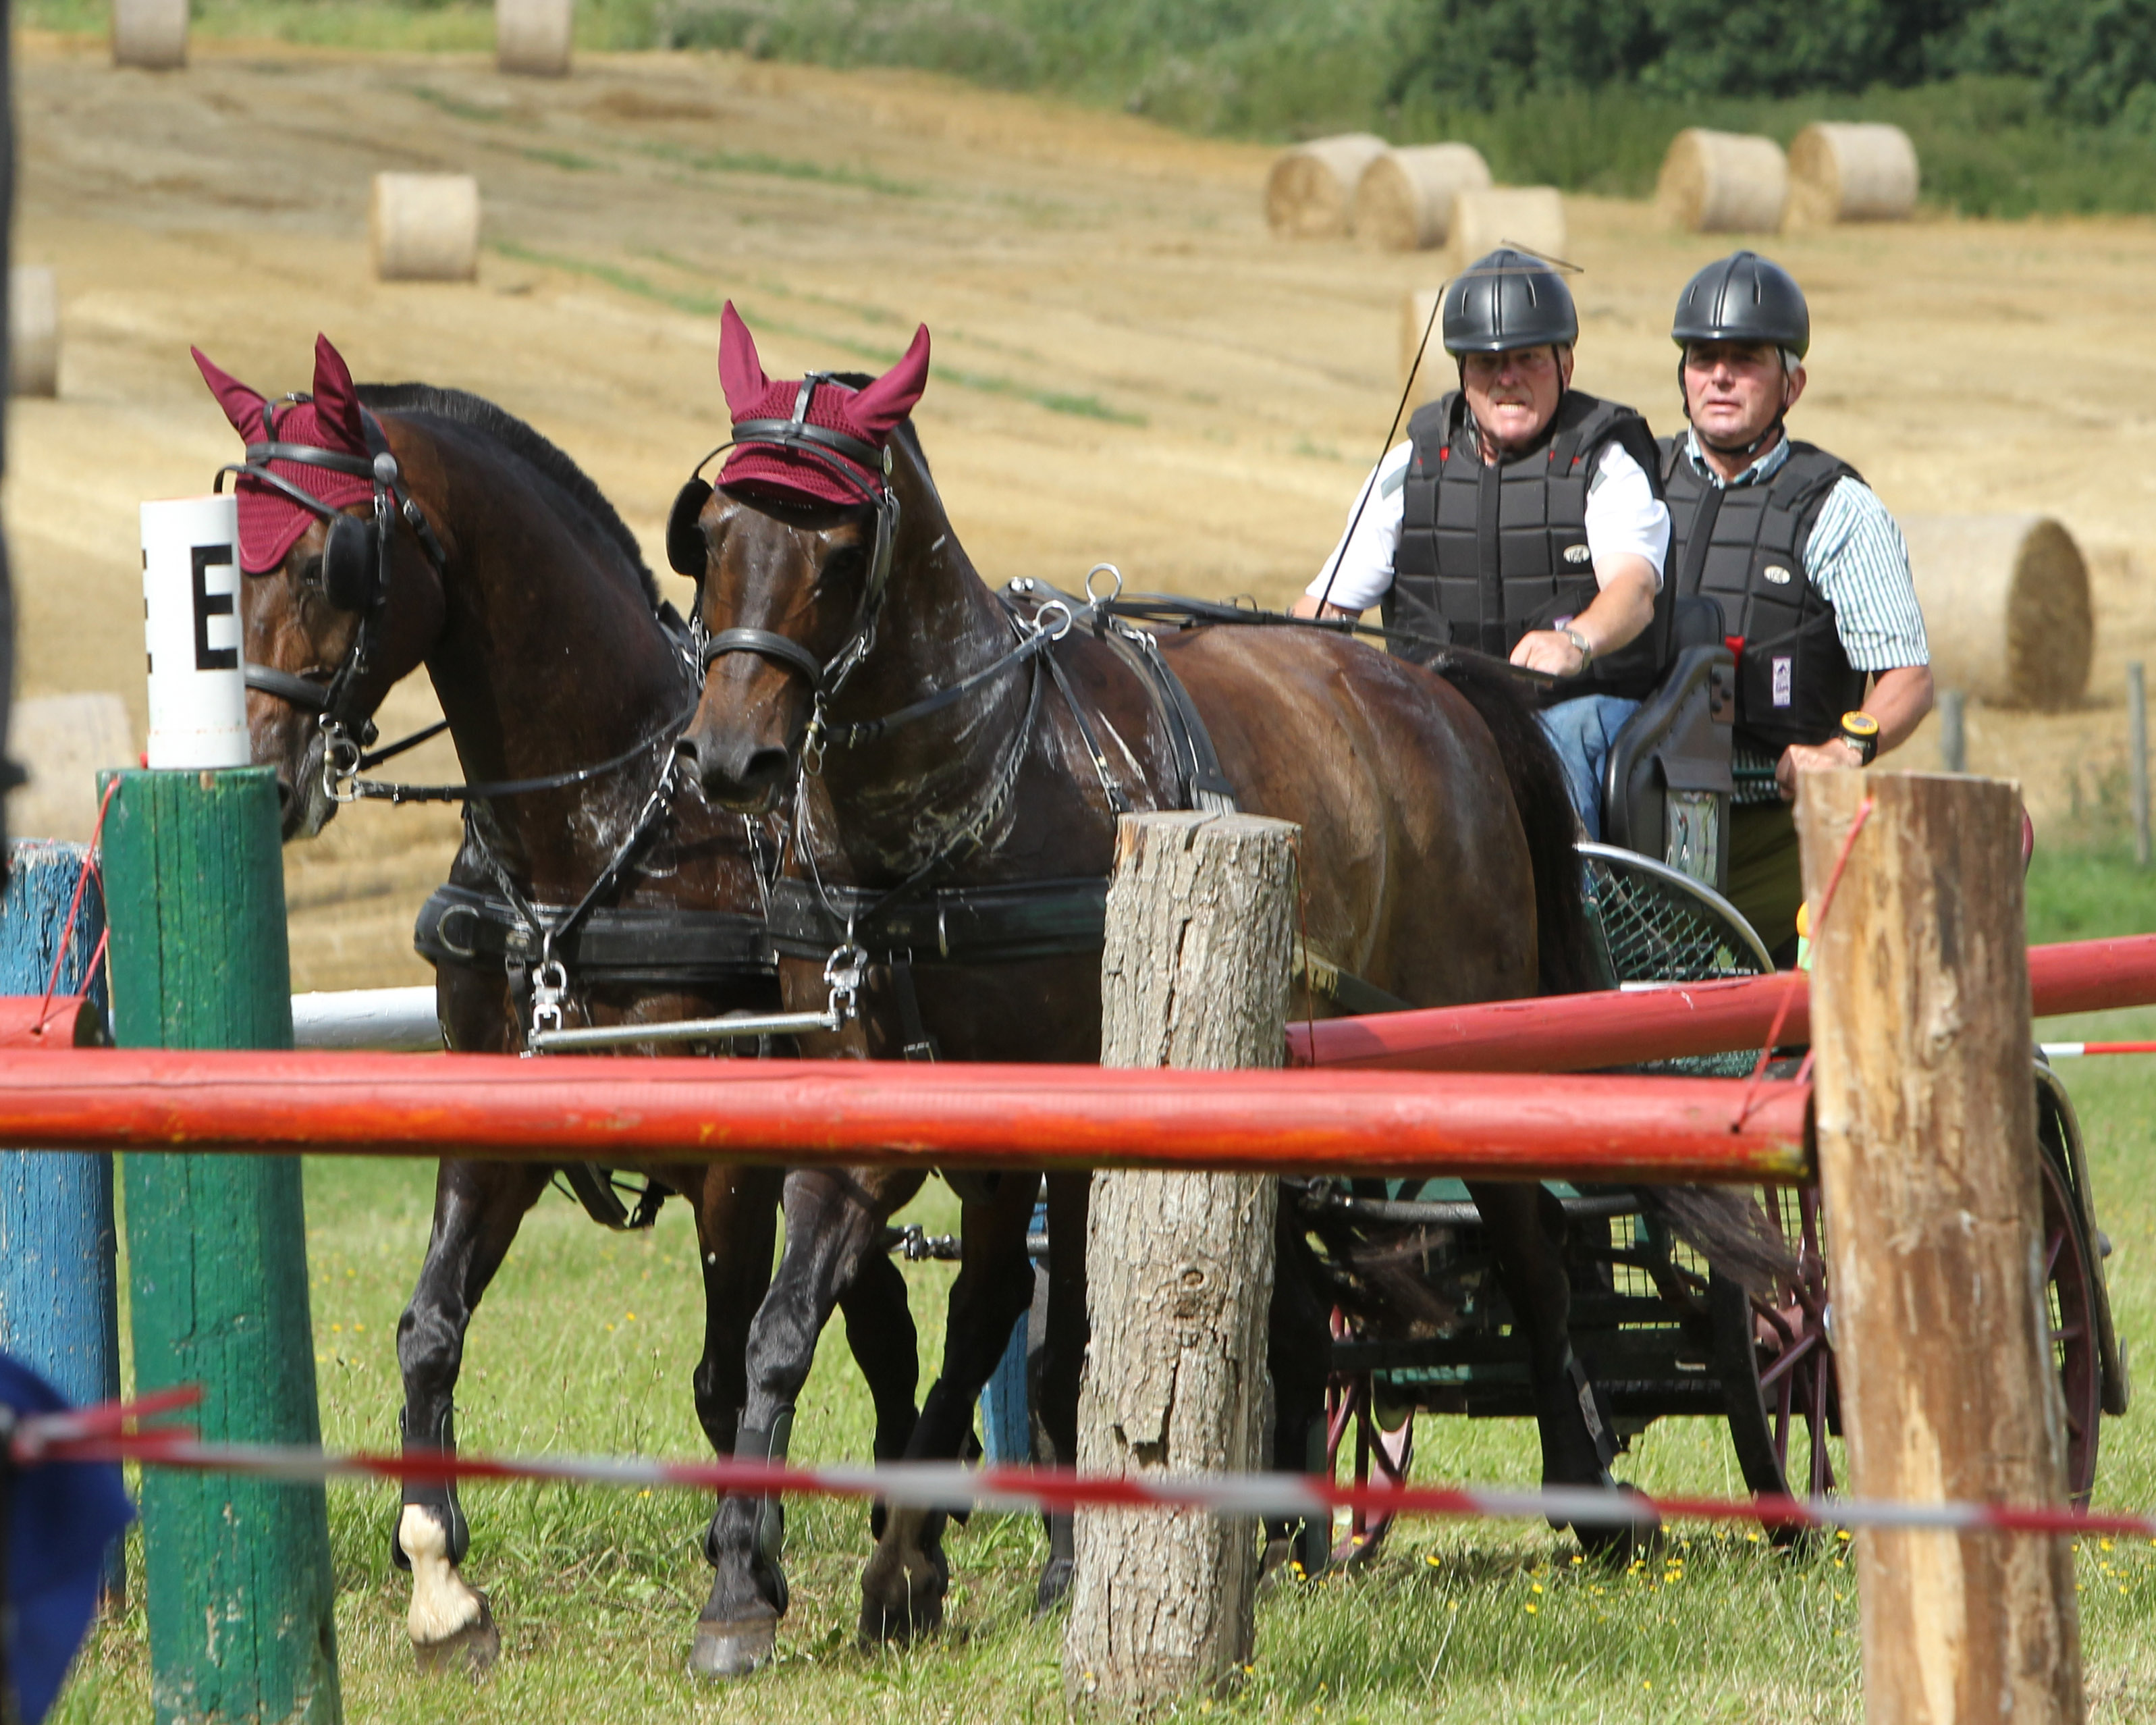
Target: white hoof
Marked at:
444, 1607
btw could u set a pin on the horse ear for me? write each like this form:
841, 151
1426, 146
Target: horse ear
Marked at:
242, 406
741, 372
890, 398
336, 398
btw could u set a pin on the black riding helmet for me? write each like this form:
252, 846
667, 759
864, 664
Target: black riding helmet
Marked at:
1741, 298
1508, 300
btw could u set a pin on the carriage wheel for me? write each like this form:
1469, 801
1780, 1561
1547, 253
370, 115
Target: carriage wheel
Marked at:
1352, 1429
2069, 1295
1784, 1415
1774, 1357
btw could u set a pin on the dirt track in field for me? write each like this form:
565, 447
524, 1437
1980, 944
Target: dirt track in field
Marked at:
1128, 368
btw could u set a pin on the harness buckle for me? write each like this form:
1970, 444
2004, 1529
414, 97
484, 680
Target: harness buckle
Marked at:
340, 759
813, 742
550, 988
844, 972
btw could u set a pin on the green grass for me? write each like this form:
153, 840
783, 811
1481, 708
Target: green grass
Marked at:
586, 1344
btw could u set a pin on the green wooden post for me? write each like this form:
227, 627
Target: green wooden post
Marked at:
237, 1573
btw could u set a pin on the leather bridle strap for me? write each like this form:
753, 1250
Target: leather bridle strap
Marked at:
303, 692
771, 645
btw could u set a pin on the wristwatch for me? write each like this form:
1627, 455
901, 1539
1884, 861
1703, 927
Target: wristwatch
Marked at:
1585, 646
1860, 732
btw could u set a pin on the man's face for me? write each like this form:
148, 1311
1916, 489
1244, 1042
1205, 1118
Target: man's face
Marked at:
1735, 390
1513, 394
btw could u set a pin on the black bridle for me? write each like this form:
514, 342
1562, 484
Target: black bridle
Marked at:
845, 458
355, 569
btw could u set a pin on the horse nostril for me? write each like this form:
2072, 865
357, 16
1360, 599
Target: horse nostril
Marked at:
766, 770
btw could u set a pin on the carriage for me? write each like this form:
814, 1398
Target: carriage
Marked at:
1657, 1332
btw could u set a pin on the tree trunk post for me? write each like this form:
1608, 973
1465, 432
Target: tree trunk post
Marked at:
239, 1585
1179, 1267
1928, 1164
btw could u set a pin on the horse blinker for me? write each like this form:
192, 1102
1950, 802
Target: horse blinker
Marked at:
351, 563
684, 533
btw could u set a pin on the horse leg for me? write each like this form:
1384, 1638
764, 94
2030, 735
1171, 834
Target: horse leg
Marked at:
737, 1210
903, 1586
833, 1222
885, 1346
1062, 1365
1527, 1235
478, 1208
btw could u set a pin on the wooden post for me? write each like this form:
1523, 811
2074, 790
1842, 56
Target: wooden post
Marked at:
1179, 1267
59, 1311
1928, 1163
239, 1585
2137, 741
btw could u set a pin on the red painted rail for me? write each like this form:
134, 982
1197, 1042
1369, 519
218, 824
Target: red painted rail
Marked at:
1576, 1033
947, 1115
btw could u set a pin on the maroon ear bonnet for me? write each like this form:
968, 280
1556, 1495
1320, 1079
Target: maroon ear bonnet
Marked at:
870, 415
269, 523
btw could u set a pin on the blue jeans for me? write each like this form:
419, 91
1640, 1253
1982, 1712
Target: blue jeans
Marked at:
1582, 731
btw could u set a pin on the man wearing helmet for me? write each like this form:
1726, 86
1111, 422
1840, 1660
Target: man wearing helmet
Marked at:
1811, 572
1522, 518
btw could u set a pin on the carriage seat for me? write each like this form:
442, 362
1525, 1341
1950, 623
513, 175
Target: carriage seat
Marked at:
1667, 786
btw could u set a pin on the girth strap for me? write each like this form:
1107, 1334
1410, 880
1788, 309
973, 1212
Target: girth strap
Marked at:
612, 944
956, 924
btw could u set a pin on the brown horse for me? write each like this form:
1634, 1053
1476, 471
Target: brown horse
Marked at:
850, 644
483, 552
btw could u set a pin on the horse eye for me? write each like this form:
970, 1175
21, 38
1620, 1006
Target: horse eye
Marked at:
311, 572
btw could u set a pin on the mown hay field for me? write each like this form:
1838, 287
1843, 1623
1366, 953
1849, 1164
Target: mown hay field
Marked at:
1128, 368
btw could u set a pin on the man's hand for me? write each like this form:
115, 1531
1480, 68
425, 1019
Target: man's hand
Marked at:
1550, 650
1804, 757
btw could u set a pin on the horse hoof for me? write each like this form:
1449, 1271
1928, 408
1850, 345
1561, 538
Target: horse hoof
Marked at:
472, 1649
733, 1649
1054, 1585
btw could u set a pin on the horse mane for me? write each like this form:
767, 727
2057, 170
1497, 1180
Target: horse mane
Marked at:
464, 409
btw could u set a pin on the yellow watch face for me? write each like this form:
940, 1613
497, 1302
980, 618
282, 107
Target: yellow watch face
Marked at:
1857, 726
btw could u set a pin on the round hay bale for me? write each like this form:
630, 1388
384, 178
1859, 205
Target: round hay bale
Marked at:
1437, 373
33, 331
150, 33
1529, 217
533, 36
1310, 187
2006, 606
424, 226
1403, 201
1850, 174
1721, 182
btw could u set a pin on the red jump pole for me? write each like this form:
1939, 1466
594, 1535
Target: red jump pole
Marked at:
1581, 1032
836, 1112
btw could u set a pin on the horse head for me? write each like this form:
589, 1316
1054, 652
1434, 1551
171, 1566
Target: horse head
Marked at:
790, 553
333, 612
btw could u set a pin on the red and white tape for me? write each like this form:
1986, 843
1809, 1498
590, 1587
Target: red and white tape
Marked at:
97, 1434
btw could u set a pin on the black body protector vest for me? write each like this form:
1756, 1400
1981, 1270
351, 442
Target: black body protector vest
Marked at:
1744, 546
1487, 553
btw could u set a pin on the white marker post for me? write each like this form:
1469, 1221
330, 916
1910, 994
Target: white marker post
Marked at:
191, 626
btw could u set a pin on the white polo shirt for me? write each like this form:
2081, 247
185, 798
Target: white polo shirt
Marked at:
1624, 518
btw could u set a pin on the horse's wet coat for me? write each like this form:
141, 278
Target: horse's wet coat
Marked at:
1419, 872
542, 637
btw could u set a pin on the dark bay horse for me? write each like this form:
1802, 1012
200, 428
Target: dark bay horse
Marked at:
487, 556
836, 605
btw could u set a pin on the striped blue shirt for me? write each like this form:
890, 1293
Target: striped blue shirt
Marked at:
1857, 561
